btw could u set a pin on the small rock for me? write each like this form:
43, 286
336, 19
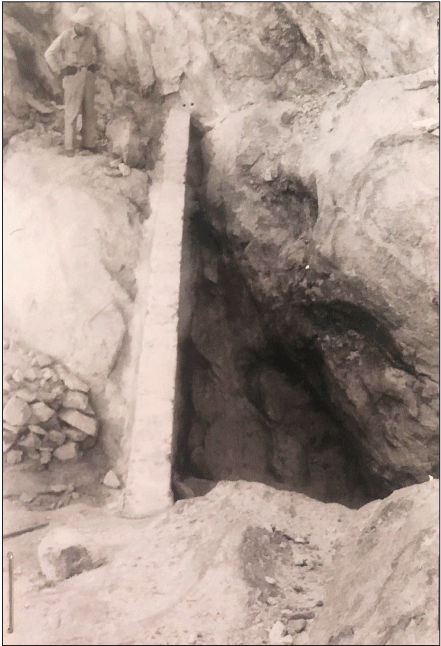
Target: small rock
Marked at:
271, 601
48, 373
298, 625
30, 374
88, 443
42, 360
17, 412
111, 480
75, 435
300, 540
7, 444
287, 639
300, 561
53, 439
319, 604
9, 436
14, 457
75, 495
68, 451
48, 396
76, 399
82, 422
303, 614
26, 395
112, 172
115, 162
62, 553
57, 488
45, 456
27, 497
33, 454
276, 633
30, 441
11, 428
270, 580
124, 169
42, 411
36, 429
6, 386
71, 381
17, 376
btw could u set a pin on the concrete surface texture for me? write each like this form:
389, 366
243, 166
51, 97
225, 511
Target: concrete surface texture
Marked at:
149, 468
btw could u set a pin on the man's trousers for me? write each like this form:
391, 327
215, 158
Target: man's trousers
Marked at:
79, 93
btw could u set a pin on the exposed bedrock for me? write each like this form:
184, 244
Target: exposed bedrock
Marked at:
335, 233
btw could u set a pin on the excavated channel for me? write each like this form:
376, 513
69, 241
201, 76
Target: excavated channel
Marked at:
249, 404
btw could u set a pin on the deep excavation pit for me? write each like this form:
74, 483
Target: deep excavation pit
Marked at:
249, 405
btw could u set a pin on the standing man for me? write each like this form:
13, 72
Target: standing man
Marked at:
73, 55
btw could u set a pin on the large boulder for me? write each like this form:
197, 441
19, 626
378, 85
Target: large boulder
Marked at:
72, 237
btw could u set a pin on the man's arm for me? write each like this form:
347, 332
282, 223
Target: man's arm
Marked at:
99, 50
55, 55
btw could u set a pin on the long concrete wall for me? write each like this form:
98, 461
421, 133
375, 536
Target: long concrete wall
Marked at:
149, 467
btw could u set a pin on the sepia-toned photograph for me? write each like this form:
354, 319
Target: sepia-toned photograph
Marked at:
221, 264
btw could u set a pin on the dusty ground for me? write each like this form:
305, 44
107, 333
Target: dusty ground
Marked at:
227, 567
179, 577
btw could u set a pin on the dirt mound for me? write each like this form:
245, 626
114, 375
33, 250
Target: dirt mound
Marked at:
224, 569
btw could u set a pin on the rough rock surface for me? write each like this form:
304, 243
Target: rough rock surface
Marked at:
62, 554
34, 417
73, 296
211, 57
386, 587
337, 238
71, 287
226, 568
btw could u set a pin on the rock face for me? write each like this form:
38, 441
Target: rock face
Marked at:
72, 297
337, 239
386, 587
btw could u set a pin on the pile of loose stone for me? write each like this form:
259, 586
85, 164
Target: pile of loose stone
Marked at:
46, 410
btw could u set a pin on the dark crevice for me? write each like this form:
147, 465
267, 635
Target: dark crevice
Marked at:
343, 316
265, 348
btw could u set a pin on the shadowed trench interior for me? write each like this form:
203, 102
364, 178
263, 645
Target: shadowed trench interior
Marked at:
249, 405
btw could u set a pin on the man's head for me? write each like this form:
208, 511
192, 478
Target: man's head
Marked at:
82, 20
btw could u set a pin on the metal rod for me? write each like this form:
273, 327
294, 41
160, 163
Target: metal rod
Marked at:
19, 532
11, 592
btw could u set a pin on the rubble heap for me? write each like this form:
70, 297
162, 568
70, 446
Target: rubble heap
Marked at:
46, 409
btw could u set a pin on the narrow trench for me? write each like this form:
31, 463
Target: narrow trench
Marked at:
247, 406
